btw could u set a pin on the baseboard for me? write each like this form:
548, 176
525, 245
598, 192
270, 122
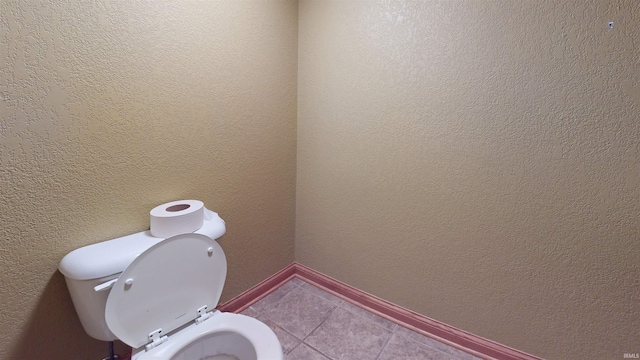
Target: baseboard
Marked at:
264, 288
437, 330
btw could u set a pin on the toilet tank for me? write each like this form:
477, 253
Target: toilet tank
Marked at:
90, 272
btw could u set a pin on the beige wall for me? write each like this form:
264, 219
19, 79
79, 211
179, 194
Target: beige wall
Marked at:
477, 162
108, 108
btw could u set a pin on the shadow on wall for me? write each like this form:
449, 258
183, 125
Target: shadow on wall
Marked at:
42, 333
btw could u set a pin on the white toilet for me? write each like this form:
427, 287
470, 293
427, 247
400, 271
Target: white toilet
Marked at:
159, 297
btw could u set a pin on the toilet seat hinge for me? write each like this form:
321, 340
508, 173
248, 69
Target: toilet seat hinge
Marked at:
203, 314
156, 338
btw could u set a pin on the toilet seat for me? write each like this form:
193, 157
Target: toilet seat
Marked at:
265, 343
152, 305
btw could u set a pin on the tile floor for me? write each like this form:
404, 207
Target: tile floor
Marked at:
315, 325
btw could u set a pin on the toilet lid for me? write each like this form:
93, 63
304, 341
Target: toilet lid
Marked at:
164, 287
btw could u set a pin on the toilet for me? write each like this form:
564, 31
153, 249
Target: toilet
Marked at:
159, 297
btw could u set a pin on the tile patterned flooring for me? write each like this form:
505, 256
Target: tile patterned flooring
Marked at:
315, 325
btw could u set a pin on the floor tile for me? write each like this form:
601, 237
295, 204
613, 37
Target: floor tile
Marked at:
335, 329
346, 336
251, 312
425, 340
299, 312
296, 281
389, 325
403, 348
274, 297
304, 352
321, 293
288, 341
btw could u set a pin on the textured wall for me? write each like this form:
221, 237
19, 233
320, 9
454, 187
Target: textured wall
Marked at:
108, 108
477, 162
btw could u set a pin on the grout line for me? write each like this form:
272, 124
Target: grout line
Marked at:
385, 345
361, 316
294, 348
316, 328
459, 339
392, 330
358, 315
453, 357
302, 341
318, 351
295, 337
434, 329
322, 322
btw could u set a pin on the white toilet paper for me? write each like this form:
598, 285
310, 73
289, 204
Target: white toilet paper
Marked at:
176, 217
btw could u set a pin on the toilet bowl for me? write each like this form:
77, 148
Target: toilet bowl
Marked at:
230, 336
161, 301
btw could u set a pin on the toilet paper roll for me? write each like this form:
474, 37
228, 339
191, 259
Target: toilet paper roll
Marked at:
176, 217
